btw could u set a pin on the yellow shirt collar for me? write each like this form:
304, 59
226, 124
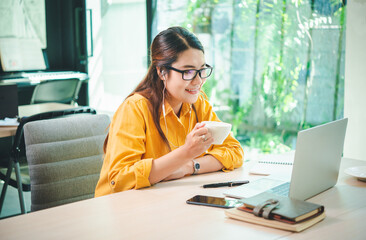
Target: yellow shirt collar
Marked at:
186, 107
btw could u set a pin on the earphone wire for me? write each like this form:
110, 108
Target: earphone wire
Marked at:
166, 126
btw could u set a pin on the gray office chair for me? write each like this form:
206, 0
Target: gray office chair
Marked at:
65, 156
60, 90
20, 177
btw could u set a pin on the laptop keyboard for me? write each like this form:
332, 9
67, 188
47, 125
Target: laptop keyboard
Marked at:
281, 190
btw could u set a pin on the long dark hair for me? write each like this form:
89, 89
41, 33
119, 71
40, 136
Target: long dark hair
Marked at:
164, 51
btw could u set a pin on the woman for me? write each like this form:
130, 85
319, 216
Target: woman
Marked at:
156, 134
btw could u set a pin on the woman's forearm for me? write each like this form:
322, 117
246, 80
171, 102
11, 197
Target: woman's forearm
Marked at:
164, 166
209, 163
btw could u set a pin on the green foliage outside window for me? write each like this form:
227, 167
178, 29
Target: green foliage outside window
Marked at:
279, 65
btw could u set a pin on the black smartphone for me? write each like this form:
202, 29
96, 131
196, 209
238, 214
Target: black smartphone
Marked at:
214, 201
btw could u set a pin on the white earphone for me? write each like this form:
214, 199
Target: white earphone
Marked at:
163, 106
164, 114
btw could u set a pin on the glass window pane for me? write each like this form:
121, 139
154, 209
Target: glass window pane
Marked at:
279, 65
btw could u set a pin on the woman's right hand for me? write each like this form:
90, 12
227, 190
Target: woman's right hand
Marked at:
197, 141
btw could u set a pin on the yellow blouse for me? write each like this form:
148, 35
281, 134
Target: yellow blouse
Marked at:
134, 142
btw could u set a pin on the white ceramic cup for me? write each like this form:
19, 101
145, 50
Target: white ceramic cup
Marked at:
218, 130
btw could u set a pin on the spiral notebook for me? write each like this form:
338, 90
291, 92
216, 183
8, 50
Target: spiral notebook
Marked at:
275, 165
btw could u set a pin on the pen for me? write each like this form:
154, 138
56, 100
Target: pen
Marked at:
225, 184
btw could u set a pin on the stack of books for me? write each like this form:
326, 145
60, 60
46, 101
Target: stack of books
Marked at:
278, 212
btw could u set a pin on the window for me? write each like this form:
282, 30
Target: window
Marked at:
279, 65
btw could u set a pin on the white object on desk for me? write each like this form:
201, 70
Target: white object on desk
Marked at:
9, 122
266, 168
358, 172
273, 164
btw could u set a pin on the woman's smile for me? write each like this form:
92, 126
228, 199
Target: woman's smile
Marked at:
193, 91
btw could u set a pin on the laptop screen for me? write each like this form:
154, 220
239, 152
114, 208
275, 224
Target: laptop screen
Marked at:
8, 101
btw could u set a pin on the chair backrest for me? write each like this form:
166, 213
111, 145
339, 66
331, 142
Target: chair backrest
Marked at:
18, 141
18, 138
60, 90
65, 156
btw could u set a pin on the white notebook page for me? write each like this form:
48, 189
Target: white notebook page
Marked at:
273, 164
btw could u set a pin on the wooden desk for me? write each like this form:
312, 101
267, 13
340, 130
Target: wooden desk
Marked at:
28, 110
160, 212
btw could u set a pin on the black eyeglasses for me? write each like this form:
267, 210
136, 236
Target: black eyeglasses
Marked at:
190, 74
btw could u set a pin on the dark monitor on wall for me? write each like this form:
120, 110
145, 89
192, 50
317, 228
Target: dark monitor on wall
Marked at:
8, 101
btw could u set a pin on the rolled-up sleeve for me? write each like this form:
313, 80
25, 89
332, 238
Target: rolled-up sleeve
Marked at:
230, 153
126, 147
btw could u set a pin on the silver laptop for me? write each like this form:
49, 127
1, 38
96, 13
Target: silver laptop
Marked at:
315, 169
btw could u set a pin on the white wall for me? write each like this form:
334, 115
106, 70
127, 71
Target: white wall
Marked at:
119, 61
355, 80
